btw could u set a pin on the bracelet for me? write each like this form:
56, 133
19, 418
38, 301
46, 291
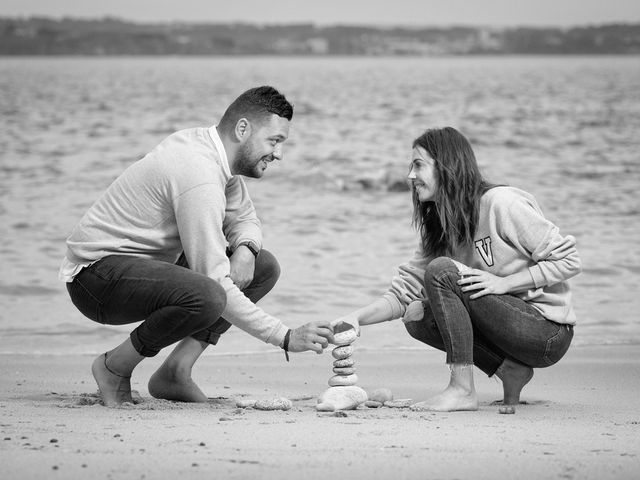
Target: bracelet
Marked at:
285, 344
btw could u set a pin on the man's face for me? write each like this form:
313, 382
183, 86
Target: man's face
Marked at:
262, 147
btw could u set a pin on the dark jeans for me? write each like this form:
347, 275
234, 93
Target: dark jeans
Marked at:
486, 330
174, 301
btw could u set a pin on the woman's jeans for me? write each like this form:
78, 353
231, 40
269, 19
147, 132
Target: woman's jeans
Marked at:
486, 330
174, 301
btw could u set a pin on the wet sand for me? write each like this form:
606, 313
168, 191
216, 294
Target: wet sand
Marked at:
581, 420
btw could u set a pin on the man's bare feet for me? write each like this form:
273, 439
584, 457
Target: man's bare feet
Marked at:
167, 384
514, 377
114, 389
458, 396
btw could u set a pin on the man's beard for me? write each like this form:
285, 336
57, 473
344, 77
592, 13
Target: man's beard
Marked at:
247, 163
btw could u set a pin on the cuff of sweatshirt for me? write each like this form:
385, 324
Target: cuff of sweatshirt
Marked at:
397, 308
277, 336
537, 276
257, 244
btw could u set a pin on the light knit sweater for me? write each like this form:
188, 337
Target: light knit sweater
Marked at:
179, 197
512, 235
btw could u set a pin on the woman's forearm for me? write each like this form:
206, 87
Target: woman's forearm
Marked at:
519, 281
376, 312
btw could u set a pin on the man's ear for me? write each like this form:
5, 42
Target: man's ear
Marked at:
243, 129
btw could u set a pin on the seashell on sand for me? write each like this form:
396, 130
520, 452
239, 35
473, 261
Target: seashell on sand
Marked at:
381, 395
344, 370
341, 398
345, 362
343, 380
273, 404
344, 351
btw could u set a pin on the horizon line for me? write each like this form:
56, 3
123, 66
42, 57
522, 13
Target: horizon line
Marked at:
313, 24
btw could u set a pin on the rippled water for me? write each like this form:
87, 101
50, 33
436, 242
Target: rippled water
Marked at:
334, 211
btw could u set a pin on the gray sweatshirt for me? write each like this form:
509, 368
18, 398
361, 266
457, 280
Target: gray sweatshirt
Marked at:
180, 196
512, 235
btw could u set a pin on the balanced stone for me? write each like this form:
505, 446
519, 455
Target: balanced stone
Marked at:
341, 398
345, 362
342, 352
343, 380
346, 337
344, 370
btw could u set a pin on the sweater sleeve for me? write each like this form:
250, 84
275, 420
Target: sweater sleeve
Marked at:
408, 284
200, 218
555, 256
241, 223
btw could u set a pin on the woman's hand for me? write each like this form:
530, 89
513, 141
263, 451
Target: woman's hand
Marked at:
486, 283
350, 319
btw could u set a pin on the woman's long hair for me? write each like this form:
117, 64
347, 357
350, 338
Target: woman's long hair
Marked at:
448, 223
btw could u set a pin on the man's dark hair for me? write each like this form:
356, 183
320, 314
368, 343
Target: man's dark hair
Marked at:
255, 104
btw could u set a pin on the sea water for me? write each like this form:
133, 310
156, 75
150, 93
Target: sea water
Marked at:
335, 211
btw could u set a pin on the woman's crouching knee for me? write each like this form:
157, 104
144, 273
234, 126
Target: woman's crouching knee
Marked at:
439, 265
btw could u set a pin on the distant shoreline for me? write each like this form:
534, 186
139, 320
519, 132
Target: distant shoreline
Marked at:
43, 36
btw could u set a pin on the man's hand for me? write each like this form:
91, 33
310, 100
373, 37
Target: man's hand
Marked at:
311, 336
350, 319
243, 266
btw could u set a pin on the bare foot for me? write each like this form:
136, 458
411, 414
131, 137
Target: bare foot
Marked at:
514, 377
114, 389
168, 385
451, 400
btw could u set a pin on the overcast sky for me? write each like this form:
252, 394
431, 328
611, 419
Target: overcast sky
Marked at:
352, 12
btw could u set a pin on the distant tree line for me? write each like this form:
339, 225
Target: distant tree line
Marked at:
111, 36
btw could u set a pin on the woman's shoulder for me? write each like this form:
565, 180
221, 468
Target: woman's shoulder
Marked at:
506, 195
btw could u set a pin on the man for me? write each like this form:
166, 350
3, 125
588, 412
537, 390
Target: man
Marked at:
175, 242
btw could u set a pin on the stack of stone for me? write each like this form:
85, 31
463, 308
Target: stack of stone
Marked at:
343, 367
342, 394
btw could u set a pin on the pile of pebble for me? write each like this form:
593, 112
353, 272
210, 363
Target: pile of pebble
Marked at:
342, 394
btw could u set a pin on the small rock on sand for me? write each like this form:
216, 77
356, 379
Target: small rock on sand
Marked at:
381, 395
281, 403
400, 403
245, 402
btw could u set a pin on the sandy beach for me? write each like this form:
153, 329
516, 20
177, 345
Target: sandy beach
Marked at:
581, 420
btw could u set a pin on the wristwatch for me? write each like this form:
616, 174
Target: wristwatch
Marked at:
251, 246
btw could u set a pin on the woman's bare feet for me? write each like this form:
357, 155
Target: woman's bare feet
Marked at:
114, 389
169, 384
514, 377
458, 396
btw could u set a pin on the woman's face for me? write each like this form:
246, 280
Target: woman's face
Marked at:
423, 175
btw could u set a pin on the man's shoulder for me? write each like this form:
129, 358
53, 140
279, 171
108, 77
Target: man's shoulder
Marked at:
188, 152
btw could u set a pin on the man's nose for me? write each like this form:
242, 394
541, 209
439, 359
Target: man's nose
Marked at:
277, 152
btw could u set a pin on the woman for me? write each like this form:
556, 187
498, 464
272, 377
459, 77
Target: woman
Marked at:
488, 284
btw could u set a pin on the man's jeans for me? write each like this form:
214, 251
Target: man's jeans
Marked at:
174, 301
486, 330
